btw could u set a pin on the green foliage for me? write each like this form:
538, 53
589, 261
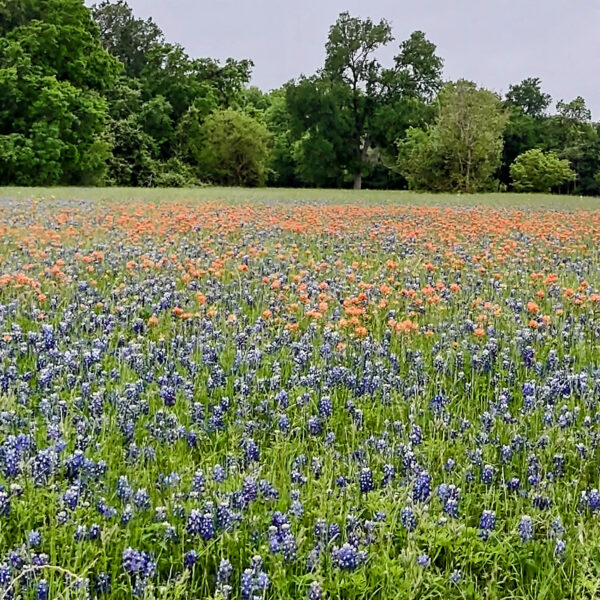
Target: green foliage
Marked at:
537, 171
422, 160
182, 81
462, 150
282, 170
189, 135
417, 71
97, 95
346, 111
528, 97
155, 119
53, 72
577, 141
125, 37
175, 173
321, 128
235, 149
163, 100
132, 160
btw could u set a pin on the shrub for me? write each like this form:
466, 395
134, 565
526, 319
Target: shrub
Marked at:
537, 171
235, 149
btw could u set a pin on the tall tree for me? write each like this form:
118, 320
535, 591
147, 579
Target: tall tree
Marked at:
528, 126
355, 87
350, 59
462, 150
417, 71
124, 36
278, 120
322, 128
578, 141
470, 127
528, 97
53, 74
163, 91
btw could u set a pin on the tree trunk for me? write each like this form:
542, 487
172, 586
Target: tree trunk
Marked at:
357, 180
468, 175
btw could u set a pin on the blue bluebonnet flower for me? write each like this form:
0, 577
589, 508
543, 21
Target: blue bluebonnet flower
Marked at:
366, 480
449, 495
249, 490
126, 515
315, 591
348, 557
282, 541
43, 465
5, 576
226, 518
408, 519
136, 562
80, 533
526, 528
198, 482
423, 560
296, 507
456, 576
190, 559
202, 524
487, 474
124, 490
251, 451
141, 499
449, 465
422, 487
224, 572
593, 500
513, 484
557, 529
34, 538
541, 502
325, 407
487, 523
42, 590
219, 473
254, 580
389, 474
4, 504
416, 435
102, 584
314, 425
108, 512
438, 403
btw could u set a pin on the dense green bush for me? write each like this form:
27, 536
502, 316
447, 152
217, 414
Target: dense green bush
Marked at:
537, 171
235, 149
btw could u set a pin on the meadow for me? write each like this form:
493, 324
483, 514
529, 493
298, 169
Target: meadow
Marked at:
289, 394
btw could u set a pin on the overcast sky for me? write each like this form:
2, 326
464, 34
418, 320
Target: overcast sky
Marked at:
493, 42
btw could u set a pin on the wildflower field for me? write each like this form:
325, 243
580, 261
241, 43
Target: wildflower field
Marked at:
255, 397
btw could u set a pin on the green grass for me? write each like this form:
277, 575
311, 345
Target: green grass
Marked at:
238, 195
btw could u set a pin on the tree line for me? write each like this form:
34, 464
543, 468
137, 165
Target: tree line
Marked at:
97, 96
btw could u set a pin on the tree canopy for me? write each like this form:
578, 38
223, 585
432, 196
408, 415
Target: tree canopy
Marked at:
234, 149
345, 110
99, 96
462, 149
